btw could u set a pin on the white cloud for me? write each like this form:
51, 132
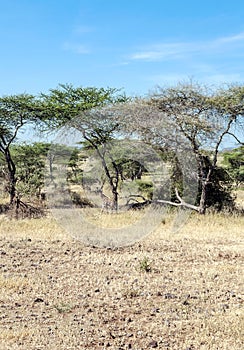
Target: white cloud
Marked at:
179, 50
233, 38
163, 52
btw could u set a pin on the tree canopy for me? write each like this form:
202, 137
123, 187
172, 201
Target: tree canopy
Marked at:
186, 124
188, 117
15, 112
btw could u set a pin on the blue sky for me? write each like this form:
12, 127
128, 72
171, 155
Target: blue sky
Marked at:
130, 44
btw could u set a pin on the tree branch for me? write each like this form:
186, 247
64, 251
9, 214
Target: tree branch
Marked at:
181, 204
235, 137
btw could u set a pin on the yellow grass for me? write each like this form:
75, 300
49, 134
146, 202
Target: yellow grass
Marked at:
44, 229
181, 286
12, 283
191, 225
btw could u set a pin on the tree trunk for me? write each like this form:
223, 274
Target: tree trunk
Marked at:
113, 184
204, 186
11, 176
115, 199
202, 204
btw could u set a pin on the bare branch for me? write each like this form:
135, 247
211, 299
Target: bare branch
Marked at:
181, 204
235, 137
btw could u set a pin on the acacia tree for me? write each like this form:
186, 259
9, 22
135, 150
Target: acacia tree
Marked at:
81, 109
193, 115
15, 112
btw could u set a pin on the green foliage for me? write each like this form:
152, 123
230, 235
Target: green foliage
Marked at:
64, 308
75, 172
219, 191
145, 265
230, 101
234, 163
78, 201
130, 168
16, 111
66, 102
70, 158
145, 188
30, 167
83, 110
187, 114
201, 118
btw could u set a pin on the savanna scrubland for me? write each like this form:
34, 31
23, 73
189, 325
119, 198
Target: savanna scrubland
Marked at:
172, 289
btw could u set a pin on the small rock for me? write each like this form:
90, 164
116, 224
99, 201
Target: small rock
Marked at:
38, 300
170, 296
155, 311
153, 344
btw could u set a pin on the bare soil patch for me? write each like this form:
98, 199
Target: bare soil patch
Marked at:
182, 291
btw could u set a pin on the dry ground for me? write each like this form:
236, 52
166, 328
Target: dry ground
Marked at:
177, 291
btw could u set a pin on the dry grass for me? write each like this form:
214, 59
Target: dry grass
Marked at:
239, 198
173, 290
44, 229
